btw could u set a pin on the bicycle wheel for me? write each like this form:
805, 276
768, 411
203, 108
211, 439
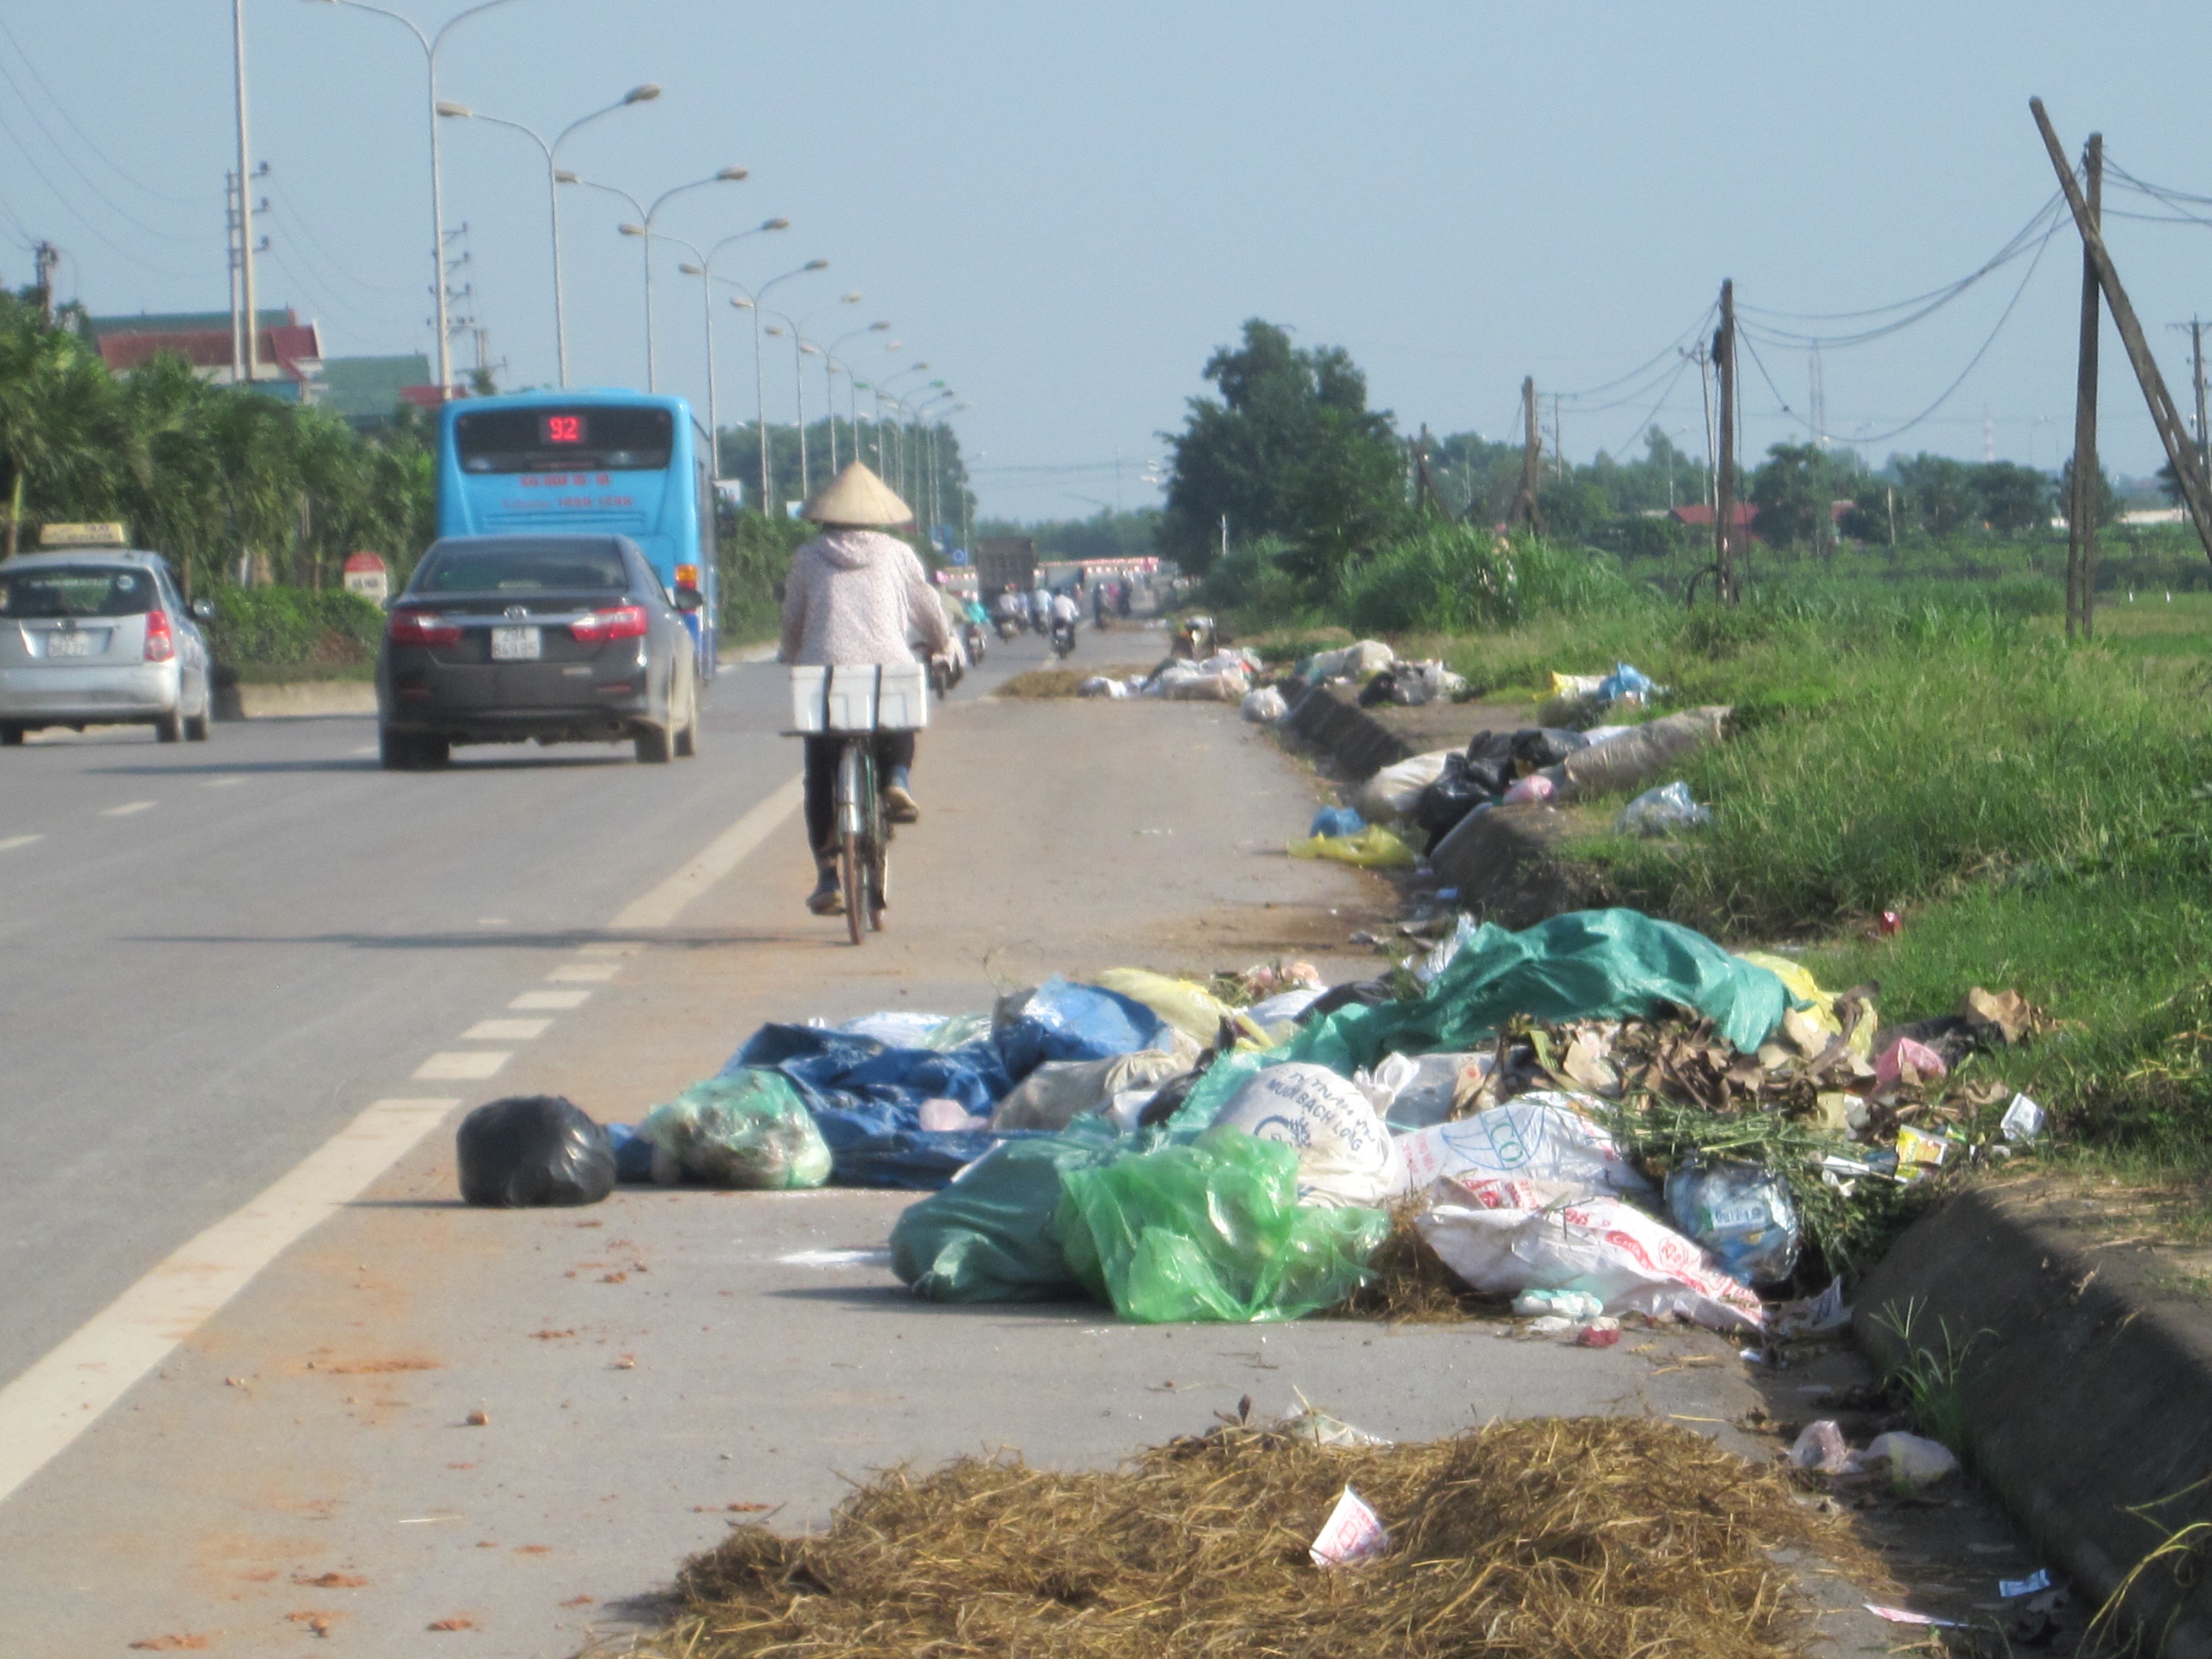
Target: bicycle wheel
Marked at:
853, 793
852, 875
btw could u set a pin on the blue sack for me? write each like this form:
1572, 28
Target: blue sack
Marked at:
1623, 681
1335, 820
1061, 1021
633, 1152
867, 1100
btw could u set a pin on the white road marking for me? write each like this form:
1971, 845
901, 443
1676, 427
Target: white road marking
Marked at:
876, 1258
223, 783
585, 973
531, 1000
63, 1394
462, 1065
46, 1407
370, 748
126, 809
723, 854
506, 1030
13, 842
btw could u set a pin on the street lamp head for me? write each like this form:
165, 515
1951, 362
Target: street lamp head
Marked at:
877, 328
775, 224
631, 230
560, 175
809, 347
690, 269
732, 175
816, 264
644, 94
773, 328
739, 302
918, 367
852, 299
454, 112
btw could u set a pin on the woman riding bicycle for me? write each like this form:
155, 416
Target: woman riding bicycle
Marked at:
856, 596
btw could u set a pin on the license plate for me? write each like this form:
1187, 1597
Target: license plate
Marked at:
517, 644
69, 645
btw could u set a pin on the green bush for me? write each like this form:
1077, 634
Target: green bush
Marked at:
755, 553
293, 627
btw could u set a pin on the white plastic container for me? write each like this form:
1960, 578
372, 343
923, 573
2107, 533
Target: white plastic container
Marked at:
809, 699
902, 704
853, 697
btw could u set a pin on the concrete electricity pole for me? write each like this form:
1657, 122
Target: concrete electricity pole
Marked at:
1726, 586
1525, 508
252, 356
2082, 501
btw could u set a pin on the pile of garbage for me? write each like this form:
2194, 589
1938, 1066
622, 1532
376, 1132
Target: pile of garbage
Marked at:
1436, 793
1546, 1536
1226, 676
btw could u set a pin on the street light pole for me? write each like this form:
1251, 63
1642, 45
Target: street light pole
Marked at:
641, 95
749, 299
704, 270
430, 45
829, 365
643, 231
249, 359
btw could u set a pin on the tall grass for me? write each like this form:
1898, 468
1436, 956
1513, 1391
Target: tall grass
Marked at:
1455, 577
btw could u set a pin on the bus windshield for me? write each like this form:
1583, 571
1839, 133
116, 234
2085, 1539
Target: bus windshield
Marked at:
597, 438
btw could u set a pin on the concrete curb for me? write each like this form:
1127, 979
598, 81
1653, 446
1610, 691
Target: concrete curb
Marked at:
2085, 1395
301, 698
1360, 744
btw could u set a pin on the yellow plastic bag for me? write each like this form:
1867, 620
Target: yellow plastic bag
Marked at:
1373, 848
1802, 987
1191, 1009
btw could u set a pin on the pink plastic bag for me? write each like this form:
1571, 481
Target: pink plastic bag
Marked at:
1535, 787
1927, 1065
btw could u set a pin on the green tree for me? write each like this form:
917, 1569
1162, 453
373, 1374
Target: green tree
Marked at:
1289, 448
2013, 498
1940, 490
1792, 491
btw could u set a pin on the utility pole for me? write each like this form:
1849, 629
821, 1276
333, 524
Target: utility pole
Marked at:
2082, 500
46, 259
2196, 490
2196, 327
251, 318
1525, 509
1558, 443
1705, 397
1726, 586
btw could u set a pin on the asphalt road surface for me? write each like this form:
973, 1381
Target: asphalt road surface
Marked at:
266, 1377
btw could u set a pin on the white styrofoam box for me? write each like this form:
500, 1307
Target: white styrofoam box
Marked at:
809, 686
853, 697
905, 702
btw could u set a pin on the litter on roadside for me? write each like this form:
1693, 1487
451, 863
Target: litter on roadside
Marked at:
1353, 1533
1662, 812
530, 1151
1374, 847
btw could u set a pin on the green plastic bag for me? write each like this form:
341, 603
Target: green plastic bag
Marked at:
989, 1236
1591, 964
1212, 1229
746, 1129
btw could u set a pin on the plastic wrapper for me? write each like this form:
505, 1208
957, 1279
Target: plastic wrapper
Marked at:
1346, 1155
1211, 1229
1612, 1250
745, 1129
896, 1030
1662, 812
1191, 1009
1429, 1086
1265, 706
1741, 1213
1392, 792
1061, 1090
989, 1236
1372, 848
1544, 1142
533, 1150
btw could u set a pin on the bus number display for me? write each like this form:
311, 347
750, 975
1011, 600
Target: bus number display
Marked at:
564, 429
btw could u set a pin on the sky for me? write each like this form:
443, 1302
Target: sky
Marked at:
1064, 209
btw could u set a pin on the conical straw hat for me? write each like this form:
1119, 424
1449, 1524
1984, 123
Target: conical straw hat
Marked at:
856, 496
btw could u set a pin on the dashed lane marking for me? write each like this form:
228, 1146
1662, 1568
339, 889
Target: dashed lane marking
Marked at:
727, 850
506, 1030
462, 1065
12, 842
223, 783
585, 973
529, 1001
46, 1407
126, 809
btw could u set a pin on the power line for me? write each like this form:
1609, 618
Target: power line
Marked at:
91, 144
100, 236
90, 183
1656, 357
2011, 250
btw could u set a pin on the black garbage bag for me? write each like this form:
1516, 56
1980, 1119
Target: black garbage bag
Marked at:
1465, 785
1535, 747
533, 1150
1364, 992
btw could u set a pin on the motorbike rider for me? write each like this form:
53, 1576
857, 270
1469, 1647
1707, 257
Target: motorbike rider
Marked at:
1065, 613
857, 596
1040, 607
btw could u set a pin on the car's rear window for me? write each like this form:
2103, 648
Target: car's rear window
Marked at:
58, 591
588, 566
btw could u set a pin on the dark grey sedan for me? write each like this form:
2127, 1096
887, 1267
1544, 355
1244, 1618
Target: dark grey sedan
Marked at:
561, 639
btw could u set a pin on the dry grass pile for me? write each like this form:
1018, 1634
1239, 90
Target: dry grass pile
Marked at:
1592, 1537
1036, 683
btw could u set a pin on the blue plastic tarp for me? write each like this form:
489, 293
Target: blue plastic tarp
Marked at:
1062, 1021
867, 1100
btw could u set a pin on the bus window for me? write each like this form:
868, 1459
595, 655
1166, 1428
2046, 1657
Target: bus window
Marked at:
593, 439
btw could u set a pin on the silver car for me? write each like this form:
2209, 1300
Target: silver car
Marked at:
101, 639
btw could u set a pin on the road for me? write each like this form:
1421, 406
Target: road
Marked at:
412, 1413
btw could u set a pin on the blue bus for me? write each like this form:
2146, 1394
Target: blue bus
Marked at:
592, 462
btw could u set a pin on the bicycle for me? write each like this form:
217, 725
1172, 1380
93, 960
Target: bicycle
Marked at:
853, 704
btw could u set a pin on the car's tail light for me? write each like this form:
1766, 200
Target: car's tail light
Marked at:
422, 628
160, 642
624, 621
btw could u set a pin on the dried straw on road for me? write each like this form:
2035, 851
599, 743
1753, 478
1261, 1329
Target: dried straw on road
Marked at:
1033, 683
1593, 1537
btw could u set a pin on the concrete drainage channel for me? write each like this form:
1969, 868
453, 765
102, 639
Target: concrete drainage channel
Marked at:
2083, 1379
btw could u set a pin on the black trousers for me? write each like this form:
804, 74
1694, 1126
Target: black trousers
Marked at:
893, 749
